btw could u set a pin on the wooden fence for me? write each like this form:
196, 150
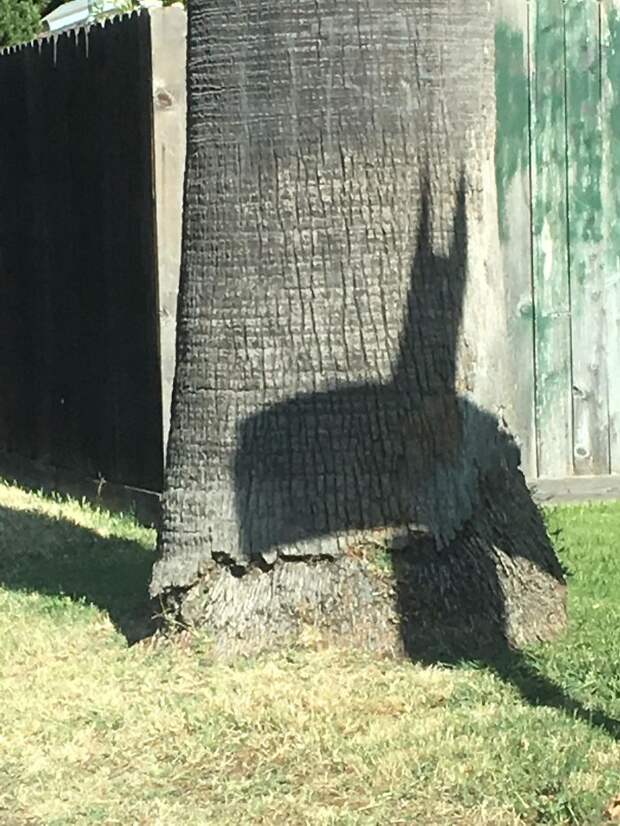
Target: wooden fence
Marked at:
92, 146
558, 175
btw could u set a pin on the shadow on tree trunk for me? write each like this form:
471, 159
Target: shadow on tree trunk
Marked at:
427, 473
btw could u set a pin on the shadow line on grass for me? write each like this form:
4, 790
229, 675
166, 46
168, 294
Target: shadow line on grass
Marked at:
335, 433
516, 669
56, 557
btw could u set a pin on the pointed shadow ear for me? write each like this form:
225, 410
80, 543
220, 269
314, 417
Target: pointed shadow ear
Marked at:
458, 244
424, 220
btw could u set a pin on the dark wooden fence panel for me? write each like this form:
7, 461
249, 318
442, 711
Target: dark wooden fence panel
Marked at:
80, 384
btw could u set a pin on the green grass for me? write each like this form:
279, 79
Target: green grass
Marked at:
93, 731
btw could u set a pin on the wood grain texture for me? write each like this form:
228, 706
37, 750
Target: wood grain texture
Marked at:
79, 347
550, 243
610, 69
585, 238
168, 58
512, 158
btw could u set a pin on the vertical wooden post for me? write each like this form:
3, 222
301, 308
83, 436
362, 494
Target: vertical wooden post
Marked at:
550, 243
610, 65
168, 54
513, 192
585, 237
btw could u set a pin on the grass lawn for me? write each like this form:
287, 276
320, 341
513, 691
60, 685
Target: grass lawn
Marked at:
93, 731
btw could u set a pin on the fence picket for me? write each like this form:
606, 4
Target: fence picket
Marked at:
513, 189
550, 248
586, 241
610, 214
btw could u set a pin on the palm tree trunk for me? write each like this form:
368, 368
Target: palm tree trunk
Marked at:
340, 343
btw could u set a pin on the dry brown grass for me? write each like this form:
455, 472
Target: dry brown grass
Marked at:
93, 731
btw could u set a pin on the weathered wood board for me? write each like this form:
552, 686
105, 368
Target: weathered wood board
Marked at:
558, 176
585, 237
168, 57
550, 243
610, 214
513, 191
79, 346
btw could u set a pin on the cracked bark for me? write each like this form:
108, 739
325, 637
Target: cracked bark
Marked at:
340, 336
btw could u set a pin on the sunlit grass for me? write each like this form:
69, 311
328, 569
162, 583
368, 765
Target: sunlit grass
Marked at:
95, 731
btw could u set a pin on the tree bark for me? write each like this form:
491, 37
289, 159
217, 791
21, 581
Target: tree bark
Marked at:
340, 344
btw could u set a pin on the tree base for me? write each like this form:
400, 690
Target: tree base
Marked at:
497, 584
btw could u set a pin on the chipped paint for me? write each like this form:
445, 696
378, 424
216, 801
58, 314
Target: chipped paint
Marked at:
610, 63
550, 244
585, 232
513, 201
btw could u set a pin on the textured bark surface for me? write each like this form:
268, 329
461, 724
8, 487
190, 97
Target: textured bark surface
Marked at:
340, 331
497, 583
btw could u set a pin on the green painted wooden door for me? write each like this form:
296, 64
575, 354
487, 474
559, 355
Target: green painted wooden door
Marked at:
558, 175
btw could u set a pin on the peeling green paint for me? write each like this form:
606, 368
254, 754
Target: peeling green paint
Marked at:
549, 240
511, 89
558, 173
611, 129
585, 232
612, 69
513, 203
610, 63
583, 122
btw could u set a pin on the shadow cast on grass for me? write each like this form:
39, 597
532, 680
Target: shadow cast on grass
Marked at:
56, 557
370, 455
280, 503
460, 640
516, 669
